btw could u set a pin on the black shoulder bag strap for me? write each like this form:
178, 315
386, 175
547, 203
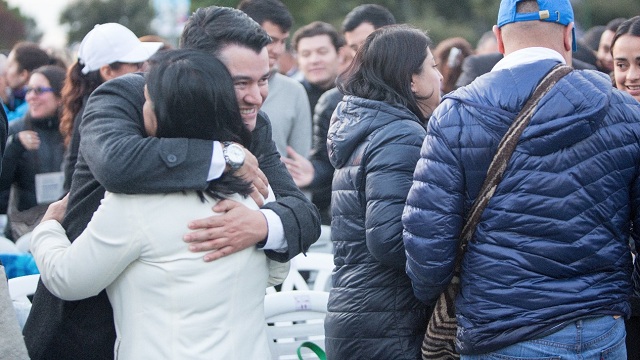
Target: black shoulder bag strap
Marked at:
439, 340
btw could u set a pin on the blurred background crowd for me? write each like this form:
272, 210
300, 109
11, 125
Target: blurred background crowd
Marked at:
63, 23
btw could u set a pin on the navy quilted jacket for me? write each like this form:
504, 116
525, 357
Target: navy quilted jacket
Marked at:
373, 313
552, 244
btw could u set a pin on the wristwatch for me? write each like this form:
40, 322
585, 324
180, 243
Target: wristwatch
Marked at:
233, 155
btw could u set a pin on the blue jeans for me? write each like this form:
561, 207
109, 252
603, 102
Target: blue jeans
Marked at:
598, 338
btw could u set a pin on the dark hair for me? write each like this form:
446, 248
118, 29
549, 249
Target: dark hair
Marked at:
318, 28
450, 61
591, 38
212, 28
54, 74
615, 23
194, 97
78, 86
268, 10
376, 15
30, 56
629, 27
378, 73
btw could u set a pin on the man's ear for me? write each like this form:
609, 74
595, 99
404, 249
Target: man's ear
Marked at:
498, 33
568, 37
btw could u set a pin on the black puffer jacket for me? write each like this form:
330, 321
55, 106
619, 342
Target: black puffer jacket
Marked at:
20, 166
321, 185
373, 313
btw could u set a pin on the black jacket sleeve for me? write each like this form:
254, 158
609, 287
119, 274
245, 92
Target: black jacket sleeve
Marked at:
3, 131
319, 156
300, 218
123, 160
71, 156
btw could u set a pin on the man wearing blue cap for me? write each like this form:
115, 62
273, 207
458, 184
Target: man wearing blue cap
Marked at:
547, 272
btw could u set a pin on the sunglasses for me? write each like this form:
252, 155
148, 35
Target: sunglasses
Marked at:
39, 90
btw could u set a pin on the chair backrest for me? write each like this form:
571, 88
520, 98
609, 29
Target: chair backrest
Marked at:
323, 244
316, 266
320, 266
23, 286
7, 246
292, 318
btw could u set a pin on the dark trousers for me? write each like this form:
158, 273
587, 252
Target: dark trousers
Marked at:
632, 326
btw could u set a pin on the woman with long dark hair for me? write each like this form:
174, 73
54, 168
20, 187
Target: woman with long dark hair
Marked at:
625, 50
391, 88
168, 302
108, 51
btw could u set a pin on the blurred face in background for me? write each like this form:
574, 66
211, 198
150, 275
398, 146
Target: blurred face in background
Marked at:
604, 59
3, 82
356, 37
108, 72
318, 60
42, 100
626, 64
278, 42
16, 78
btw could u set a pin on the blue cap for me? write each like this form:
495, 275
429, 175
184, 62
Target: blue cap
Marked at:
556, 11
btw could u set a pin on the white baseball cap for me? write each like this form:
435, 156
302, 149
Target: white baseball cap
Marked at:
112, 42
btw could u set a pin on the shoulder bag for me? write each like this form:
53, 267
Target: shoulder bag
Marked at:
440, 338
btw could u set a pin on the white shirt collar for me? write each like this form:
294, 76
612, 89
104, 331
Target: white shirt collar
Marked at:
528, 56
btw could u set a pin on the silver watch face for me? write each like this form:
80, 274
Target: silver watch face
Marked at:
235, 154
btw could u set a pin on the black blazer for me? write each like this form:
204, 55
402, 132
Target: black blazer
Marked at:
4, 126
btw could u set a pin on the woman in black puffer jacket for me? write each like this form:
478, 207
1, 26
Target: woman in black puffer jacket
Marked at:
374, 143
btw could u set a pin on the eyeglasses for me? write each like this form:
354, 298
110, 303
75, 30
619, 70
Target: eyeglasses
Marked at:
39, 90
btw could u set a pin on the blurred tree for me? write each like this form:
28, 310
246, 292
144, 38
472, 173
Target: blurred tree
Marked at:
442, 18
15, 27
82, 15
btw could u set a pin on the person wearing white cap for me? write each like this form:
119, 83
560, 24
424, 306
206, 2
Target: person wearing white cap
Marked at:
108, 51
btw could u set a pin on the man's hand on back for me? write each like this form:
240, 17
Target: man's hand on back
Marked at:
236, 229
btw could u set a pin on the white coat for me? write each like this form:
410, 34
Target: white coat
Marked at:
167, 302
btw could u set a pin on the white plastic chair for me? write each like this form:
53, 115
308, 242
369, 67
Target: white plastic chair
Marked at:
323, 244
294, 317
320, 266
19, 288
22, 286
7, 246
24, 243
